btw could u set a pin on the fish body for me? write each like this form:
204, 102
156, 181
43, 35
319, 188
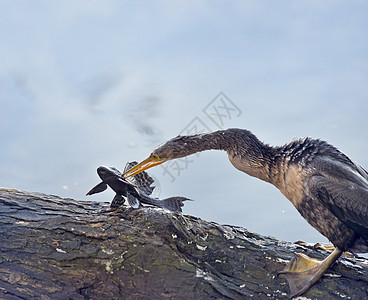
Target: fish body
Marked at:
135, 190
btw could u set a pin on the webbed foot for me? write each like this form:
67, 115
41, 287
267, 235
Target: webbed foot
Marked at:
326, 247
322, 246
302, 271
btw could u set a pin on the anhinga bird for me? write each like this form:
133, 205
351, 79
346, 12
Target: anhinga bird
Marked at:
327, 188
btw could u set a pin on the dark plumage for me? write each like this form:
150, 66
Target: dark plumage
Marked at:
327, 188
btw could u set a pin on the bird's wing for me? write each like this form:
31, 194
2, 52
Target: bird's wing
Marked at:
346, 199
142, 180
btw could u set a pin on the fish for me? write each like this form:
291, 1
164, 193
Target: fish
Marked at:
136, 189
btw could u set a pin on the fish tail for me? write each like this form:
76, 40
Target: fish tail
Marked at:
173, 203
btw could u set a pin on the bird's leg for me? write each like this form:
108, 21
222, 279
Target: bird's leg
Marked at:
302, 271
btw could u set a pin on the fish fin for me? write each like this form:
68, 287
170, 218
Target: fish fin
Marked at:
98, 188
133, 201
129, 165
117, 201
173, 203
142, 181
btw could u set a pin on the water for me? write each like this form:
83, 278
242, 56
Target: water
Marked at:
104, 82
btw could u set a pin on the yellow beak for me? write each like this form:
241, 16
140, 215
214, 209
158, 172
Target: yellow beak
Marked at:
151, 161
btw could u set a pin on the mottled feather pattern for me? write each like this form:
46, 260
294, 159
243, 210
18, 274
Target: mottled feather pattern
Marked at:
335, 190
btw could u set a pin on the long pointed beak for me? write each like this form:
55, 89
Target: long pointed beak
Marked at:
149, 162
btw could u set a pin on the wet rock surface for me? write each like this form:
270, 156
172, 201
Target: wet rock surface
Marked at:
58, 248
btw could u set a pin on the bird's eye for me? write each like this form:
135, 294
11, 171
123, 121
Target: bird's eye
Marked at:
155, 156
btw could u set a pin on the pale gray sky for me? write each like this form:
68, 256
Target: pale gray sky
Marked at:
89, 83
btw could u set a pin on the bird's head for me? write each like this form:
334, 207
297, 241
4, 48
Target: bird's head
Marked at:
177, 147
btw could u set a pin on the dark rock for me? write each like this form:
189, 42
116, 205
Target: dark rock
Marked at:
56, 248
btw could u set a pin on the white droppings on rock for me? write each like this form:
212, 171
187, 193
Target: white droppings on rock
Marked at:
204, 237
202, 274
109, 252
22, 223
229, 236
332, 275
280, 260
109, 268
202, 248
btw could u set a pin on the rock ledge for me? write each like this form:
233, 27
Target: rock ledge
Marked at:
59, 248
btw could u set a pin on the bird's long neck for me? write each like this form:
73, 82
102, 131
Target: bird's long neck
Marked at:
217, 140
245, 151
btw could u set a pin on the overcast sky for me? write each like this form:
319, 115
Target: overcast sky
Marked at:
89, 83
